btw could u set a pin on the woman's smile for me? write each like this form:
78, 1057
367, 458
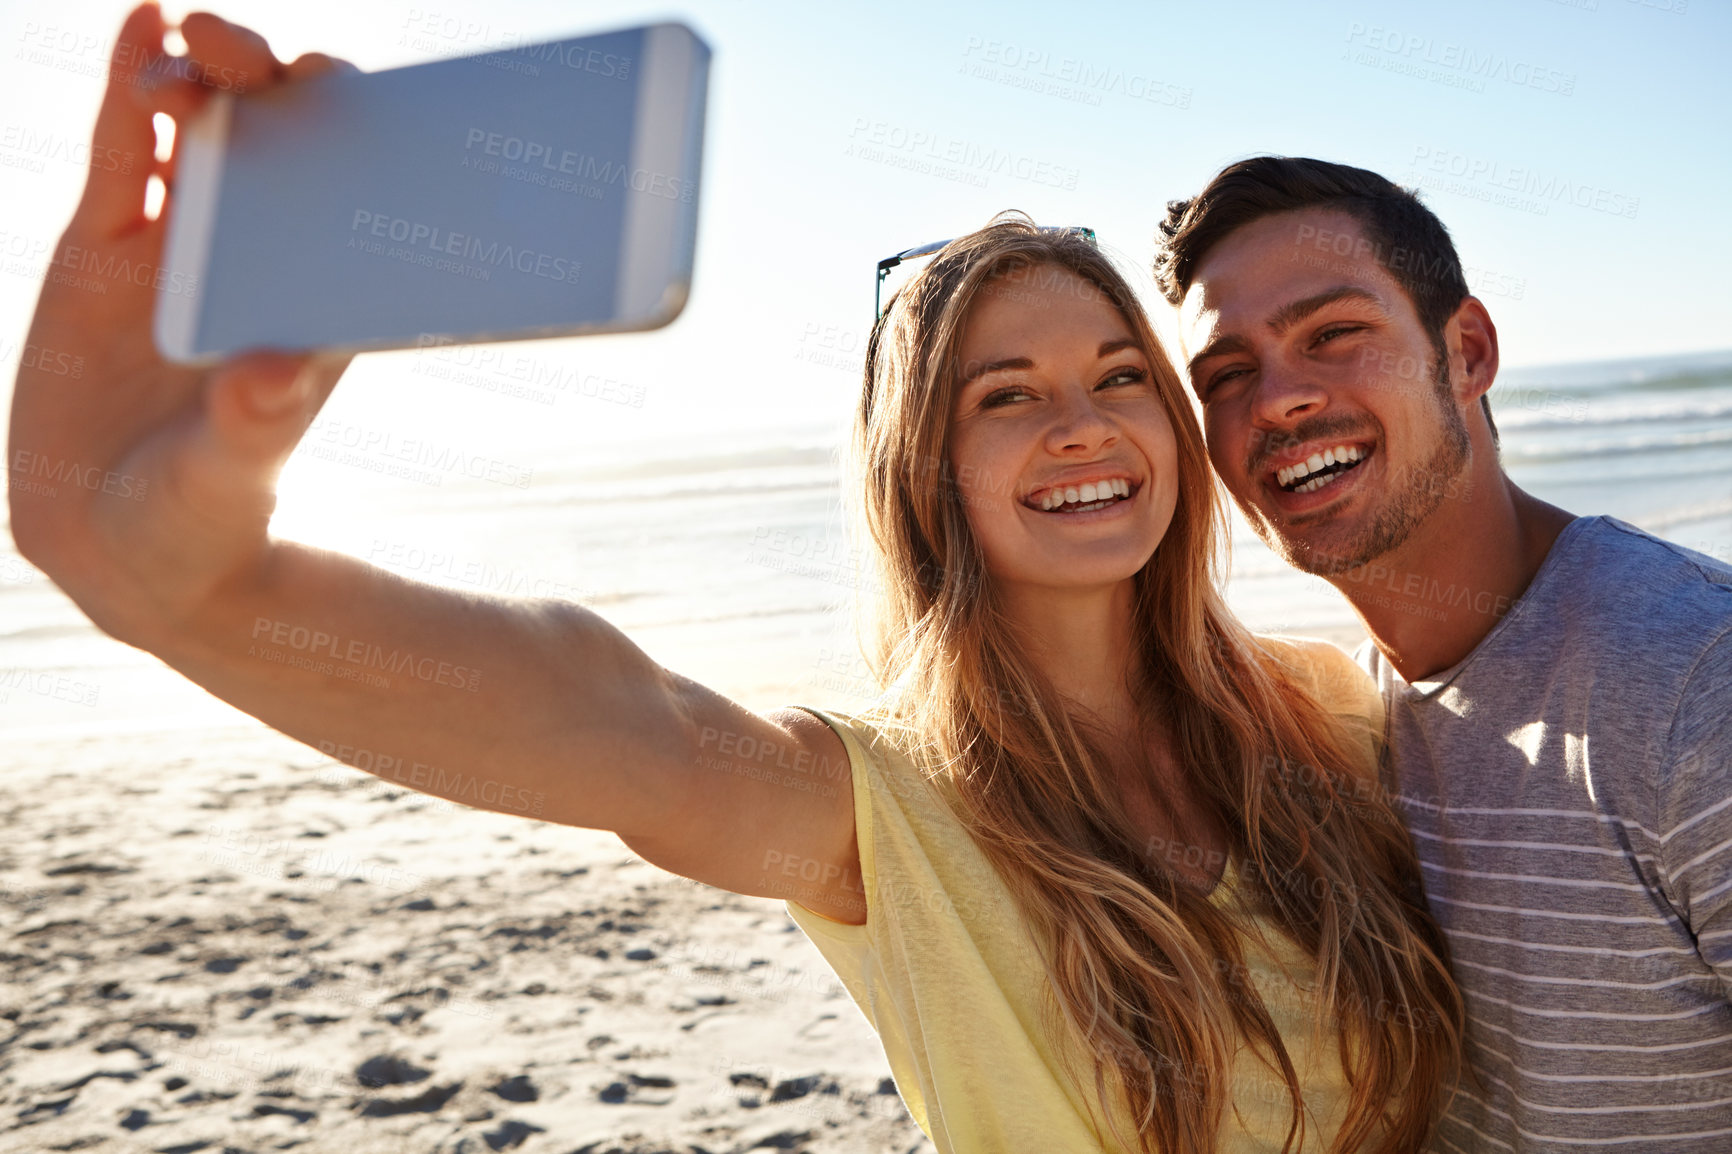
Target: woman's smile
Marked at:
1077, 495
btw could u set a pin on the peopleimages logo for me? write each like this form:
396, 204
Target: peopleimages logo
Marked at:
28, 467
1522, 180
450, 35
880, 139
1418, 50
579, 58
22, 146
437, 240
565, 162
352, 444
1066, 77
87, 54
354, 651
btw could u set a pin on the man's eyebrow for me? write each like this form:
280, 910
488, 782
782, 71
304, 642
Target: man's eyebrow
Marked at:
1283, 319
1220, 346
1293, 312
1107, 349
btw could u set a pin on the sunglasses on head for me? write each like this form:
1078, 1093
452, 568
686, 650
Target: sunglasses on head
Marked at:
919, 250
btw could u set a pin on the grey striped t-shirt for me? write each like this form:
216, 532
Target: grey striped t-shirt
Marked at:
1569, 791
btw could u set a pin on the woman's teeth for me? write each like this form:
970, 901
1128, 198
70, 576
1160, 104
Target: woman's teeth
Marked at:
1081, 498
1321, 468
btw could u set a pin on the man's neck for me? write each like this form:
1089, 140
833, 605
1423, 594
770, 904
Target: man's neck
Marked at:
1428, 604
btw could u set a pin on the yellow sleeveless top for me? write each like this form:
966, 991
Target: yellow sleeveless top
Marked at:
949, 977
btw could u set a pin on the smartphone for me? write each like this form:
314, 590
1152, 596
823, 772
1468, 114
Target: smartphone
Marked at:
538, 190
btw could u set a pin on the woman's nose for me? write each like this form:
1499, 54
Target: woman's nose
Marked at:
1079, 422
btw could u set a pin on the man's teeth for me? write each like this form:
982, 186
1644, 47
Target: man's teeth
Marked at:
1095, 491
1339, 455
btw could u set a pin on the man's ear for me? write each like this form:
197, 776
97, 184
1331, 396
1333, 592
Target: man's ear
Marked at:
1472, 342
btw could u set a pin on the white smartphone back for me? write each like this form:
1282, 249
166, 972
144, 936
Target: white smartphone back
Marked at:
541, 190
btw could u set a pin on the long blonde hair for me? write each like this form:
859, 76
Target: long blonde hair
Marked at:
1141, 965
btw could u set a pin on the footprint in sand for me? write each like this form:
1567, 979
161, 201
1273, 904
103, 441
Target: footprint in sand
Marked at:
637, 1090
516, 1089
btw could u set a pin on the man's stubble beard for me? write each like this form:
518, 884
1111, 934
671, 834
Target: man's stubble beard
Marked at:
1402, 511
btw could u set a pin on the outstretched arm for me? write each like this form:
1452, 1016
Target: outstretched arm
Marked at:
532, 707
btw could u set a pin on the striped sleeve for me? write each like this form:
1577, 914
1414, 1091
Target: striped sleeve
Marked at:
1696, 808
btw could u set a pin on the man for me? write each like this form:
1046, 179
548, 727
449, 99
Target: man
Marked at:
1558, 688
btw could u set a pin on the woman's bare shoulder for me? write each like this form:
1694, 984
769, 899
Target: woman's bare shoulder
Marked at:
1325, 670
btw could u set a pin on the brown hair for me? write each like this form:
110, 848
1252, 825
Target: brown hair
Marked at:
1140, 964
1407, 238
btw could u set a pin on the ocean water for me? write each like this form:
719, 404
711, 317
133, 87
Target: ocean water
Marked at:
1648, 441
732, 565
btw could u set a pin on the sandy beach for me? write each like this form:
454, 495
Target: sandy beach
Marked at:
234, 944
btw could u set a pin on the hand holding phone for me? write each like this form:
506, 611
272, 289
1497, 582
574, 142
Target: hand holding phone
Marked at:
558, 706
138, 484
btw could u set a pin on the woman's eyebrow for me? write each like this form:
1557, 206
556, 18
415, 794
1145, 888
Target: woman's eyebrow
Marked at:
1107, 349
981, 369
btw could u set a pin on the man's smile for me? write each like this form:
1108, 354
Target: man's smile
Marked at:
1315, 474
1318, 468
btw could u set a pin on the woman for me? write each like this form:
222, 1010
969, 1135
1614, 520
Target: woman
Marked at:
1068, 695
1099, 739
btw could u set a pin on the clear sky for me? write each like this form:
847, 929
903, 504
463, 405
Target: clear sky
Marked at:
1577, 151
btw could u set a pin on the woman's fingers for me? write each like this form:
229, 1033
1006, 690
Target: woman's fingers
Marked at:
227, 57
144, 79
181, 98
310, 64
259, 404
113, 200
256, 409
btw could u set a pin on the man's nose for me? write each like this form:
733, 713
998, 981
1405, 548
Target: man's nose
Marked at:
1285, 394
